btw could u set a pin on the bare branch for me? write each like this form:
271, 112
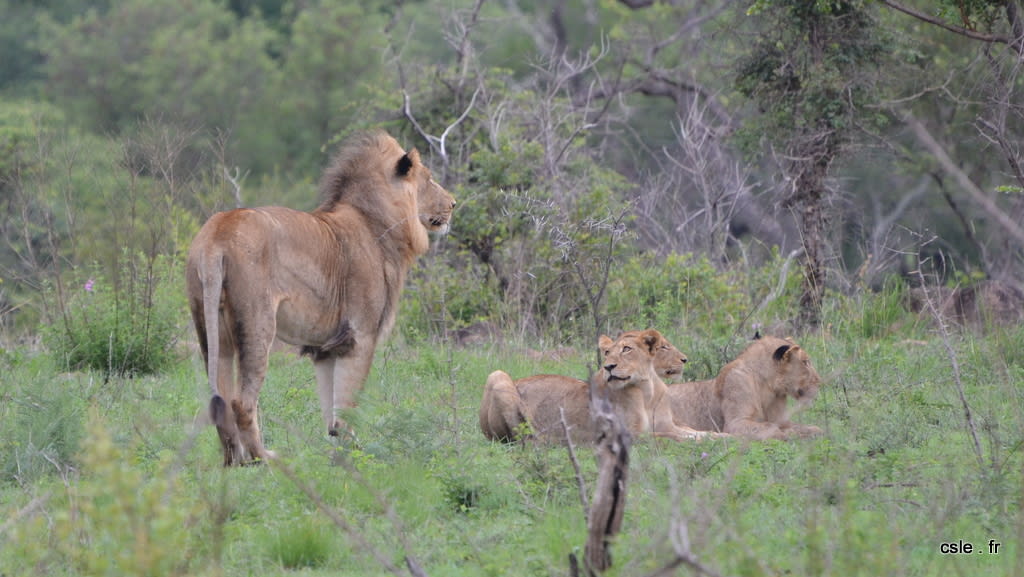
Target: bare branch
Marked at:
350, 530
993, 39
580, 483
236, 183
965, 182
609, 505
955, 365
24, 512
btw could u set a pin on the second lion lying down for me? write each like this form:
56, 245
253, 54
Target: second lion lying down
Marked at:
749, 398
629, 378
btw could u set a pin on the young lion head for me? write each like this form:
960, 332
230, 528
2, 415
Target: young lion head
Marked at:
794, 373
668, 360
630, 357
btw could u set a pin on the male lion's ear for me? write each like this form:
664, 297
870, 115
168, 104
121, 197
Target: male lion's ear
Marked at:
405, 164
781, 352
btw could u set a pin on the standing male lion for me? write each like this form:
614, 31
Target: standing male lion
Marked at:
328, 281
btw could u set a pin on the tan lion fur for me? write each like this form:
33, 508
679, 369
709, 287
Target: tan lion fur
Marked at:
749, 398
628, 379
327, 281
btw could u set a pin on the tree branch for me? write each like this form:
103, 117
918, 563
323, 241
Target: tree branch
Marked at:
993, 39
987, 204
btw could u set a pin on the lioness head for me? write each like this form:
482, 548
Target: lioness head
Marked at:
795, 373
668, 360
629, 358
433, 202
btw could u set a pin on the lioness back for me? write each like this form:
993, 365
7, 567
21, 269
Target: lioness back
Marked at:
695, 404
750, 395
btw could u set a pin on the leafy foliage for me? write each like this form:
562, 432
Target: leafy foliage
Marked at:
126, 327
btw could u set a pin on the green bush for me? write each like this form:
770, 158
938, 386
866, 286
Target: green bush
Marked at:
674, 292
126, 328
302, 543
116, 521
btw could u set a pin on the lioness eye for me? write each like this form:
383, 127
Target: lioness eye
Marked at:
626, 349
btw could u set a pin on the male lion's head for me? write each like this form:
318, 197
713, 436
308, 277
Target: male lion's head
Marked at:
433, 202
400, 183
668, 360
629, 358
795, 373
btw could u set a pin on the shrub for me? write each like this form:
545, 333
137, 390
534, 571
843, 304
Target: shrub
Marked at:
677, 291
302, 543
114, 521
126, 328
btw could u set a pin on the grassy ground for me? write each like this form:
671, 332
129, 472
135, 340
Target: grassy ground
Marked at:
109, 478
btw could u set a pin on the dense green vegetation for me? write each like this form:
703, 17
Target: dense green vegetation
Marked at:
110, 477
705, 168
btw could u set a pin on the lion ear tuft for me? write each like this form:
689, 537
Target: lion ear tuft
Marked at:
781, 352
405, 164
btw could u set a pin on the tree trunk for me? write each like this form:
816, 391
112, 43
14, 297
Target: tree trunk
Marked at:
808, 198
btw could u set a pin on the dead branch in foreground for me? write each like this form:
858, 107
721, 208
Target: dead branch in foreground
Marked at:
604, 519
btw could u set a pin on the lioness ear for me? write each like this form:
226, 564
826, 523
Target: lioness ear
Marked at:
781, 352
604, 342
651, 338
405, 164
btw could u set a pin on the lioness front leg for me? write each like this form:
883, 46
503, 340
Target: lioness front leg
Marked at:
751, 429
802, 431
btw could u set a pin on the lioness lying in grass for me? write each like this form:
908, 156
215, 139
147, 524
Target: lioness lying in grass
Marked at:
749, 396
628, 378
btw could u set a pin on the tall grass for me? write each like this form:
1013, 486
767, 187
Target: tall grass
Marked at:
893, 479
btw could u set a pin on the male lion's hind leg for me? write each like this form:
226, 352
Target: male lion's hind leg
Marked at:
249, 437
222, 414
501, 415
239, 432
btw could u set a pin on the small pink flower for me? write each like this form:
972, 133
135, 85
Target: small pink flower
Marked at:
88, 285
703, 455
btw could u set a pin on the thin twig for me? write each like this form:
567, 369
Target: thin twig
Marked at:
25, 511
955, 363
580, 482
339, 521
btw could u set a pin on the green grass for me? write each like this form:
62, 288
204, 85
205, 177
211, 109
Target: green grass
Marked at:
116, 483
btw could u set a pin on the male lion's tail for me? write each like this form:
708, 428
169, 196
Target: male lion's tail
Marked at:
211, 279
